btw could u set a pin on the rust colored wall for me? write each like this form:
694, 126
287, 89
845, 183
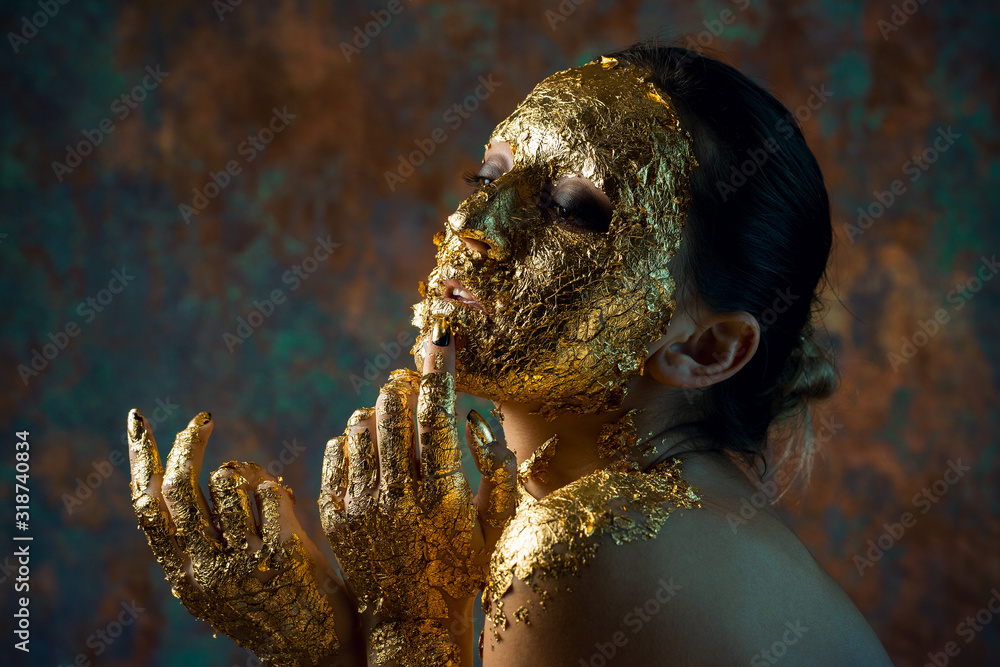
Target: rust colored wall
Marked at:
873, 86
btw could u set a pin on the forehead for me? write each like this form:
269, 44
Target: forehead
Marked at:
598, 120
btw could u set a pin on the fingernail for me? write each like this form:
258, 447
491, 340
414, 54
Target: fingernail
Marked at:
135, 427
441, 334
200, 419
480, 428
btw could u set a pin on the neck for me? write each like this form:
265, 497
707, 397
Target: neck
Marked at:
576, 453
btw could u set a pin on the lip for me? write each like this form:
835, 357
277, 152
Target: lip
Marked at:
454, 290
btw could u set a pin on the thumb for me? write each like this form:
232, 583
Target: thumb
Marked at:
497, 495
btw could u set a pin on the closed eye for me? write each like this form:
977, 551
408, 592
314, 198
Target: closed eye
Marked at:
488, 173
577, 204
475, 180
499, 159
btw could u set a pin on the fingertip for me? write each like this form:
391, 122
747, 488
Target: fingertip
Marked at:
430, 357
439, 350
143, 458
135, 426
200, 419
199, 428
333, 464
393, 397
205, 423
272, 486
221, 474
479, 428
334, 450
138, 426
359, 416
441, 332
265, 475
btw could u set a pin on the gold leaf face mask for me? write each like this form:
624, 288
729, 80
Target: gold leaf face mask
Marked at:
574, 282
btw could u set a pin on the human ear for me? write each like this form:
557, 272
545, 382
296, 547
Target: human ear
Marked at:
702, 353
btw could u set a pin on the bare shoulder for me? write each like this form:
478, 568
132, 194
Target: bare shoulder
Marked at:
702, 589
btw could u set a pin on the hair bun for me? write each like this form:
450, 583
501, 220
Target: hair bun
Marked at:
811, 374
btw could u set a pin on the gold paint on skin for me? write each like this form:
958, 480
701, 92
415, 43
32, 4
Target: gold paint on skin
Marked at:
395, 433
335, 468
413, 644
496, 470
405, 378
364, 468
535, 466
568, 312
360, 415
617, 442
407, 547
521, 615
244, 594
556, 536
438, 431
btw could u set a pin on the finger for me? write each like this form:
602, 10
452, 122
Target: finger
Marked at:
280, 528
183, 496
230, 487
332, 501
498, 466
277, 514
362, 464
333, 485
285, 540
147, 479
198, 455
439, 452
394, 411
279, 523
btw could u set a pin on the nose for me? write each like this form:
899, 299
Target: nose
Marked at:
476, 224
457, 222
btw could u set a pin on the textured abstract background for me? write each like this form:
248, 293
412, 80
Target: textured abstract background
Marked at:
137, 270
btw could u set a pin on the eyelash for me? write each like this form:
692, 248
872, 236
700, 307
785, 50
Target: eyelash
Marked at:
475, 180
562, 213
548, 204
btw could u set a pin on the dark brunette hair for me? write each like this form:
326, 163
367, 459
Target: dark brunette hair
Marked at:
757, 239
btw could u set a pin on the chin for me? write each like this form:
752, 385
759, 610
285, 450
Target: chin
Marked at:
564, 374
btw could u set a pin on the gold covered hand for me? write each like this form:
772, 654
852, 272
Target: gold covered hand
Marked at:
399, 513
263, 583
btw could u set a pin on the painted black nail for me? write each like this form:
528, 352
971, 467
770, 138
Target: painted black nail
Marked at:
441, 333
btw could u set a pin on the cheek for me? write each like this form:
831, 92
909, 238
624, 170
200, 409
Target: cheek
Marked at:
629, 298
554, 284
570, 260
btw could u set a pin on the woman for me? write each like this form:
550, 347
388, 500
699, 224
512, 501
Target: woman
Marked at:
641, 318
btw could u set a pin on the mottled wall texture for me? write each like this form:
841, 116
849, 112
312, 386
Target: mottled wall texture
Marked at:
227, 206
